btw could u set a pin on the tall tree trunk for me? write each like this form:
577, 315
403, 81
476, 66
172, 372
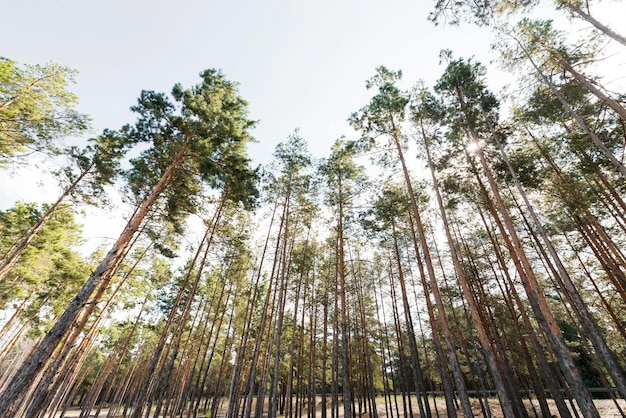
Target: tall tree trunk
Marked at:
547, 371
289, 387
403, 374
252, 374
196, 383
286, 253
11, 397
345, 365
236, 388
566, 283
537, 299
120, 353
418, 378
483, 337
434, 287
147, 387
367, 360
324, 386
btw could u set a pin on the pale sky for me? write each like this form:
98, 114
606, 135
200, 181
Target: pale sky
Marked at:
300, 64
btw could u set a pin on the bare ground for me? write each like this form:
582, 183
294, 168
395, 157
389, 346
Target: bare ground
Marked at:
606, 407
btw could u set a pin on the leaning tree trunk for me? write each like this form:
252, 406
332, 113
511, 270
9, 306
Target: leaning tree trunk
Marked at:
11, 397
594, 138
536, 297
548, 375
445, 327
61, 374
13, 255
565, 282
483, 336
572, 7
147, 387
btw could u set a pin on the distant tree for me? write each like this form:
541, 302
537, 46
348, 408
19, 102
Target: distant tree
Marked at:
382, 119
343, 178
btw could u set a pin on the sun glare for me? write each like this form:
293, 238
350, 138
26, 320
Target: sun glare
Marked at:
474, 146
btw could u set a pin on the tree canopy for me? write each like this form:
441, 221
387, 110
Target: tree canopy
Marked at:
461, 253
37, 111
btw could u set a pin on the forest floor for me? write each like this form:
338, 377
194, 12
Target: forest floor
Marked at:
606, 408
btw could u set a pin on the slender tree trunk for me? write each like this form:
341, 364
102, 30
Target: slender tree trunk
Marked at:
575, 9
196, 383
418, 377
368, 367
403, 374
445, 327
24, 378
347, 403
538, 302
335, 355
252, 375
147, 387
219, 387
6, 327
594, 138
15, 252
566, 283
236, 389
289, 387
6, 350
483, 337
546, 369
120, 353
286, 253
216, 327
324, 386
175, 374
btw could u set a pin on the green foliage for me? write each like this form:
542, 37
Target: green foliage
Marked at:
94, 167
208, 124
383, 115
390, 204
452, 12
469, 105
49, 272
36, 109
344, 177
291, 170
